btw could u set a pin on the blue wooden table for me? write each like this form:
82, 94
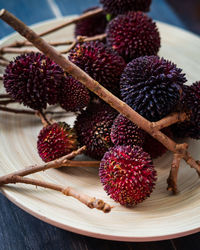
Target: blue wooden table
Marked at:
18, 229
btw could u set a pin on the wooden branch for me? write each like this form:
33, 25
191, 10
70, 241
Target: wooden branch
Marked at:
69, 48
2, 96
172, 179
57, 43
3, 62
10, 50
17, 111
99, 90
72, 21
5, 102
91, 202
27, 111
25, 43
169, 120
81, 39
60, 26
43, 118
60, 162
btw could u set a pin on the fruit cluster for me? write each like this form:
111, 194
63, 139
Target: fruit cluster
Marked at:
127, 65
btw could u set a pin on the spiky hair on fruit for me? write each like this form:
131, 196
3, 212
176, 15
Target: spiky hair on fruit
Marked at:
74, 95
100, 62
125, 132
56, 140
152, 86
91, 26
133, 35
93, 128
34, 80
191, 104
127, 174
116, 7
154, 147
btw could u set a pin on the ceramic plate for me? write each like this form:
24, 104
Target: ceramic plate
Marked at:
162, 216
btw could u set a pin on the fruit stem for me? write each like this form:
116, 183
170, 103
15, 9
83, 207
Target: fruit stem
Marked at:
3, 62
7, 101
62, 161
45, 121
57, 27
169, 120
91, 202
2, 96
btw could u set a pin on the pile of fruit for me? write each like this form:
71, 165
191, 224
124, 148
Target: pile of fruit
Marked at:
125, 63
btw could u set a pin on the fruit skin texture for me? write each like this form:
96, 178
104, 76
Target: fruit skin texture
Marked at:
191, 104
133, 35
116, 7
56, 140
127, 174
34, 80
93, 128
91, 26
100, 62
152, 86
125, 132
154, 147
74, 95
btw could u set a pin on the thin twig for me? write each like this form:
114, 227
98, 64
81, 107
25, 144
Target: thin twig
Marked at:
43, 118
74, 20
82, 164
169, 120
11, 50
57, 43
172, 179
81, 39
91, 202
60, 26
4, 58
2, 96
69, 48
17, 111
60, 162
26, 111
4, 63
5, 102
19, 44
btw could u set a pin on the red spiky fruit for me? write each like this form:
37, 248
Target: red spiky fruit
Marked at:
34, 80
154, 147
127, 174
91, 26
125, 132
116, 7
56, 140
133, 35
100, 62
93, 128
74, 95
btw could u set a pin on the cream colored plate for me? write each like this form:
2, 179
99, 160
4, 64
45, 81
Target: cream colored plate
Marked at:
162, 216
